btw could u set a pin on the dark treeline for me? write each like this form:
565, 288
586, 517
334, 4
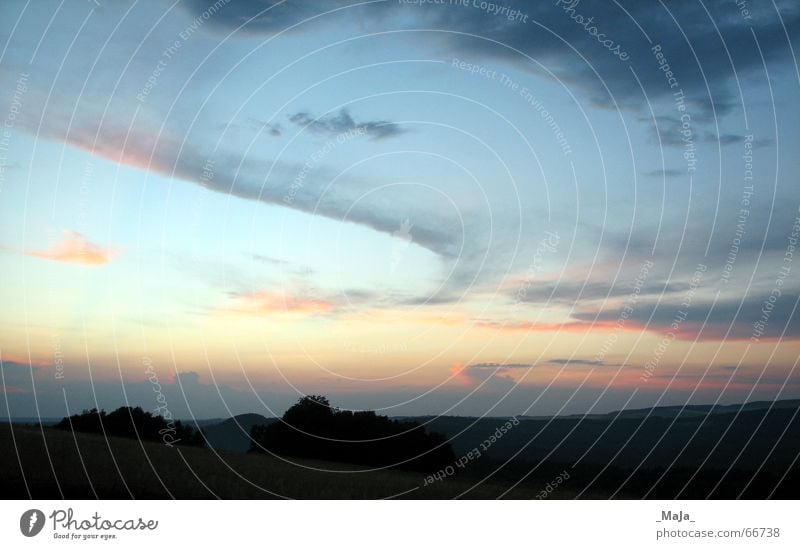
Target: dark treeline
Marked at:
131, 422
313, 429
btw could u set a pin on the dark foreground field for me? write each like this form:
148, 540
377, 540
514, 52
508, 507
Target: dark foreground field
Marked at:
57, 464
750, 452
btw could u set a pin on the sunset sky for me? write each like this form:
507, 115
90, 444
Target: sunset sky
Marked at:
435, 208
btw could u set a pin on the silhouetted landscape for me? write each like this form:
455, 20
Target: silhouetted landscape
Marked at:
132, 423
312, 429
318, 451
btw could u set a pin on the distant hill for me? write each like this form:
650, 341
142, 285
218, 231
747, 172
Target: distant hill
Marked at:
719, 438
233, 434
202, 422
33, 420
30, 420
689, 410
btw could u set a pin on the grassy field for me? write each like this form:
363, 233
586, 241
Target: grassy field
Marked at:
751, 455
57, 464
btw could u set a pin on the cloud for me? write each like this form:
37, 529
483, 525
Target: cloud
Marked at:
667, 131
253, 124
252, 177
75, 248
268, 303
489, 375
148, 143
495, 366
576, 361
549, 36
187, 378
570, 292
577, 326
725, 139
269, 259
668, 172
256, 16
438, 298
704, 62
275, 130
335, 124
727, 319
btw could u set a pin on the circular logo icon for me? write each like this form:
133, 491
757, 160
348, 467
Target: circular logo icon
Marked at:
31, 522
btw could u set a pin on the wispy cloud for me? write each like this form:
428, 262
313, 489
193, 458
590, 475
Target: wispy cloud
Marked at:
579, 326
666, 172
499, 366
268, 259
756, 316
575, 361
568, 292
335, 124
268, 303
667, 131
75, 248
483, 372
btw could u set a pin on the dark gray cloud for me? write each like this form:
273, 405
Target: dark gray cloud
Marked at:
275, 130
499, 366
353, 296
734, 319
260, 16
763, 237
342, 122
491, 376
187, 379
576, 361
725, 139
706, 44
272, 128
570, 292
668, 131
438, 298
666, 172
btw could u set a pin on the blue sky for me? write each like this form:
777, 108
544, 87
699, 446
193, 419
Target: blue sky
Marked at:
376, 201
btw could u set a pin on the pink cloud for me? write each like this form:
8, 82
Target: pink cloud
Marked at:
75, 248
569, 326
270, 303
483, 372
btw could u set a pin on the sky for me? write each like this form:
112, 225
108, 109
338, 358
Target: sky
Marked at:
211, 207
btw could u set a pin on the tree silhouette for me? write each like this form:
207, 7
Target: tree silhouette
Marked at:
311, 428
312, 414
131, 422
